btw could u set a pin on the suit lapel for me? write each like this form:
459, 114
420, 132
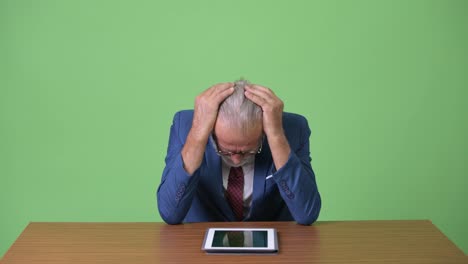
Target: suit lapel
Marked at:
215, 174
263, 162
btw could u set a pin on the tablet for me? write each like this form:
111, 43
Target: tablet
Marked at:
240, 240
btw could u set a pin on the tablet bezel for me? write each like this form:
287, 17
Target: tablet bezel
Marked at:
272, 241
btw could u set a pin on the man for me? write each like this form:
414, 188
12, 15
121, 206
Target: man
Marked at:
238, 157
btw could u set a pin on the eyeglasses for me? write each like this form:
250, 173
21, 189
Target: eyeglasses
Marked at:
242, 153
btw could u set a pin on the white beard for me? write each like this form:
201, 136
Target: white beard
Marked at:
246, 160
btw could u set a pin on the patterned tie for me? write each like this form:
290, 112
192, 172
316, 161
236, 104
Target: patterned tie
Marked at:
235, 191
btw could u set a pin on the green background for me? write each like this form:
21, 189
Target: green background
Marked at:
88, 89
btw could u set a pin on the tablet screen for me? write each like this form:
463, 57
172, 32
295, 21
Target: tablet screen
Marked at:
240, 240
224, 238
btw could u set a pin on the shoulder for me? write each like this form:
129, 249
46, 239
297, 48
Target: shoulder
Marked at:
184, 115
183, 118
294, 120
182, 122
295, 127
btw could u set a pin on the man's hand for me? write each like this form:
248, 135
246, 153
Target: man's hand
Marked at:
206, 109
272, 108
204, 119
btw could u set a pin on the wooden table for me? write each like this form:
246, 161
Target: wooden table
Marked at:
323, 242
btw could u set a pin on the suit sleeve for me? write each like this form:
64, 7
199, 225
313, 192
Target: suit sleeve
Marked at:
296, 180
177, 188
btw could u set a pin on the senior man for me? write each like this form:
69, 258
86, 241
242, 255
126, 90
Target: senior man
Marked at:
238, 157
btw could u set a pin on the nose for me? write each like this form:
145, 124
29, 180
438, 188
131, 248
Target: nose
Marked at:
237, 158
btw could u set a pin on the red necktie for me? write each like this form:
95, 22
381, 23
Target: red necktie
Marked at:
235, 191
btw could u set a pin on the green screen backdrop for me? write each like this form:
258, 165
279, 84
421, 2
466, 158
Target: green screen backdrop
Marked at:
88, 89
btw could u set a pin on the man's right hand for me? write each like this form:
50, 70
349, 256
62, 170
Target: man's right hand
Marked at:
206, 109
204, 118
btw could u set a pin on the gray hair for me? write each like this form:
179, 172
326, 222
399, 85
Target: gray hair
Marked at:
238, 111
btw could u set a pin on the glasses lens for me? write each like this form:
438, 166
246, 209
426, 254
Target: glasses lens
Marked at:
230, 153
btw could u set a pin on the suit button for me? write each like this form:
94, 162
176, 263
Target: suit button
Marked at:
182, 187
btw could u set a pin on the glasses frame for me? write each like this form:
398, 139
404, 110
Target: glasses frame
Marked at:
242, 153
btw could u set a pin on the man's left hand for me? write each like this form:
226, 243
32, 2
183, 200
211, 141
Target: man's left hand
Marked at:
272, 108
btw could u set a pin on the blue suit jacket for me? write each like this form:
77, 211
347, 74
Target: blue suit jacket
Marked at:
290, 194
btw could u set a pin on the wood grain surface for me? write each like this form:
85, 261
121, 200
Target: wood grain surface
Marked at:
323, 242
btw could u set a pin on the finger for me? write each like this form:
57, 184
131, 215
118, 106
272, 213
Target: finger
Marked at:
217, 88
263, 88
255, 98
223, 94
223, 86
265, 95
259, 90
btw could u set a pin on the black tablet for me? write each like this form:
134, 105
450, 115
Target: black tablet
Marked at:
240, 240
